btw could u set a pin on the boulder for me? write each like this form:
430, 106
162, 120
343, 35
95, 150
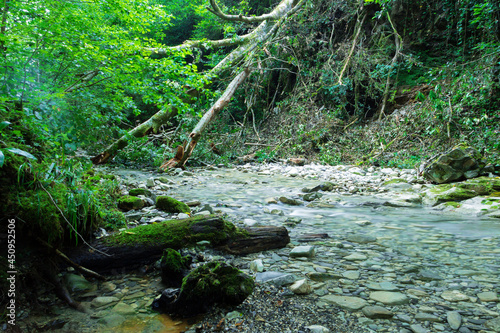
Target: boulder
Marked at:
213, 282
170, 205
458, 163
128, 202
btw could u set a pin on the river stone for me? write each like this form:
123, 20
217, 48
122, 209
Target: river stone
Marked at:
345, 302
389, 298
355, 257
418, 329
302, 251
351, 275
257, 265
488, 296
128, 202
317, 329
123, 309
317, 276
361, 239
459, 162
377, 312
454, 319
454, 296
312, 196
384, 286
290, 201
427, 275
111, 320
493, 324
103, 300
276, 278
422, 316
301, 287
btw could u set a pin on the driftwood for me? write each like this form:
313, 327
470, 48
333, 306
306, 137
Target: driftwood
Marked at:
144, 244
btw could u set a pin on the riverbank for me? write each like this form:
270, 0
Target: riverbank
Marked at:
370, 256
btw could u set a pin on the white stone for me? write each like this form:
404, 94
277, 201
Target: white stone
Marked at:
301, 287
257, 265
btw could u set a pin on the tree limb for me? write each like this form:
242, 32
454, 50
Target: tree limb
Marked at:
277, 13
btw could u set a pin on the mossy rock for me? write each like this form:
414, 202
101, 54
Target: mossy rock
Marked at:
446, 192
452, 204
394, 181
214, 282
174, 267
129, 202
140, 191
170, 205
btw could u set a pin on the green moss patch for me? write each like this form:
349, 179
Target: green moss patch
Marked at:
129, 202
140, 191
170, 205
176, 234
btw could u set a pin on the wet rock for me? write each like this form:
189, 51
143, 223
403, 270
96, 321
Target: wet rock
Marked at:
488, 296
389, 298
312, 196
415, 328
303, 251
446, 193
454, 296
454, 319
421, 316
290, 201
459, 162
257, 265
382, 286
140, 191
493, 324
355, 257
123, 309
317, 329
351, 275
427, 275
103, 300
276, 278
361, 239
345, 302
377, 312
301, 287
111, 320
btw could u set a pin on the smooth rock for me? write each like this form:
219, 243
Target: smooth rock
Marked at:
301, 287
493, 324
351, 275
454, 296
345, 302
112, 320
276, 278
317, 329
355, 257
422, 316
361, 239
377, 312
488, 296
418, 329
384, 286
302, 251
257, 265
454, 319
103, 300
389, 298
123, 309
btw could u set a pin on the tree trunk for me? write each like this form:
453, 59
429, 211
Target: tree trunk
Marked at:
247, 46
183, 154
144, 244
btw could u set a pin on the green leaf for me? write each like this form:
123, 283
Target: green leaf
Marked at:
4, 124
2, 158
21, 152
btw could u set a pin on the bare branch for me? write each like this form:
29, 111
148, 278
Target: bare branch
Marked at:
277, 13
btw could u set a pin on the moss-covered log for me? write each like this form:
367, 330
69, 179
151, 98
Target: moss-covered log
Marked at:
145, 244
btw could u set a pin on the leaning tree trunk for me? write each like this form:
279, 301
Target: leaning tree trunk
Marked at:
183, 153
247, 46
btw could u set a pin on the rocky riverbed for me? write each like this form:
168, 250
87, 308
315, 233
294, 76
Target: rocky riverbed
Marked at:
372, 250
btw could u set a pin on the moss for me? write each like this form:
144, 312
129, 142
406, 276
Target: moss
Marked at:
140, 191
215, 282
394, 181
128, 202
170, 205
176, 234
452, 204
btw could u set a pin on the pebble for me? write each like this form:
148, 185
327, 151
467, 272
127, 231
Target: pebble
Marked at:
345, 302
389, 298
301, 287
377, 312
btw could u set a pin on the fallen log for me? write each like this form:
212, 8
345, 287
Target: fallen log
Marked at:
144, 244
